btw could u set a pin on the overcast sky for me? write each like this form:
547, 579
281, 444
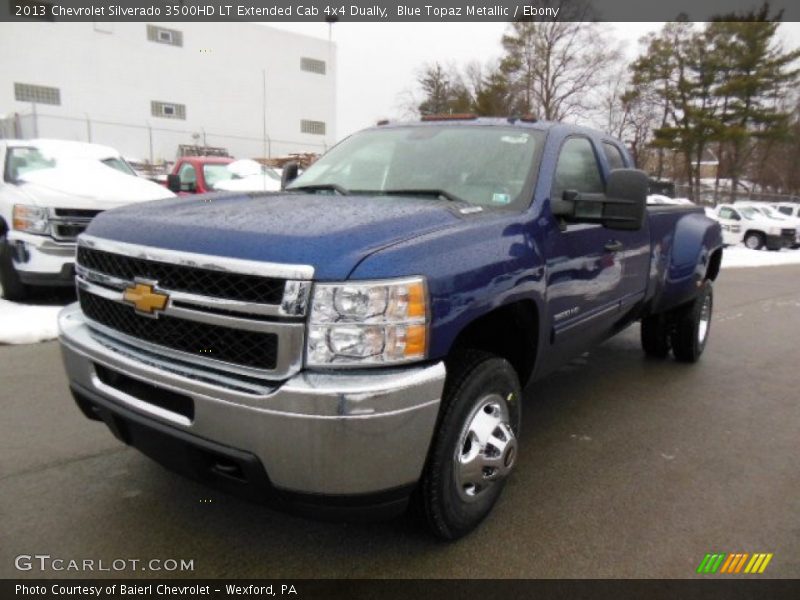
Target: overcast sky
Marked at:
378, 62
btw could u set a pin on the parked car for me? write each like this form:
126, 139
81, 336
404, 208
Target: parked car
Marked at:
203, 174
249, 176
790, 209
364, 337
755, 229
51, 189
197, 174
773, 213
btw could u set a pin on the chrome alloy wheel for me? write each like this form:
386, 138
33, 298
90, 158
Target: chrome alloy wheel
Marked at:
487, 448
704, 321
752, 242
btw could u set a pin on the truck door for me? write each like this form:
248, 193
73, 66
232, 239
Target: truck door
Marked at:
585, 262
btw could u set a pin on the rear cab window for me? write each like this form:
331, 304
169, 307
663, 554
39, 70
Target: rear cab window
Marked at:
614, 156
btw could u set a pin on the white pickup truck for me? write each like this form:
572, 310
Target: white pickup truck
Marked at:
774, 213
741, 223
49, 192
789, 209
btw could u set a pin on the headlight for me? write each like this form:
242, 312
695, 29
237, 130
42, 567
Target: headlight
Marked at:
774, 231
32, 219
368, 323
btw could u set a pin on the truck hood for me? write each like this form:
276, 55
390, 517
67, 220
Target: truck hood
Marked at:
331, 233
87, 184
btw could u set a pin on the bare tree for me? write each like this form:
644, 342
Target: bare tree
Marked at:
556, 67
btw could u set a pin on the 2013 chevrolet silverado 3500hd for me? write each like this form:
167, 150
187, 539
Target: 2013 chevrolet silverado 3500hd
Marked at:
363, 337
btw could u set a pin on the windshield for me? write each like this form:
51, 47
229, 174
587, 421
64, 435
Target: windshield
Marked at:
21, 160
119, 164
487, 166
749, 213
240, 169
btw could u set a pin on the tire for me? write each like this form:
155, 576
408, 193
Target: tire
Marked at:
754, 240
474, 448
13, 288
693, 326
655, 336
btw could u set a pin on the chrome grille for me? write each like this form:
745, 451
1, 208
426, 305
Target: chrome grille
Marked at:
249, 348
206, 320
246, 288
66, 224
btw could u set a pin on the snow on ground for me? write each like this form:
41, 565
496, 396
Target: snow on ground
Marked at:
27, 323
739, 256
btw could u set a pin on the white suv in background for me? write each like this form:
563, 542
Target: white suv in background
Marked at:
789, 209
742, 223
773, 213
49, 192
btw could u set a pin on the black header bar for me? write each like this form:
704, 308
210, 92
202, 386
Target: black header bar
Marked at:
381, 10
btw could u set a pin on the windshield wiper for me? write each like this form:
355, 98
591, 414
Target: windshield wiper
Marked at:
334, 187
425, 192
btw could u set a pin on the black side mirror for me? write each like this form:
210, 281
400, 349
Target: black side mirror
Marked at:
626, 199
174, 183
290, 172
621, 207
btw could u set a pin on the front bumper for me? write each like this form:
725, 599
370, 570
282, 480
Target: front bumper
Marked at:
316, 436
40, 260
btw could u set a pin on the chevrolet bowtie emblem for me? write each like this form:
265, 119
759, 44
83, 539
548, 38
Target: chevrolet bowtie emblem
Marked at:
145, 299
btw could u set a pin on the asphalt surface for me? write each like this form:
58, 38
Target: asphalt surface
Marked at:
628, 468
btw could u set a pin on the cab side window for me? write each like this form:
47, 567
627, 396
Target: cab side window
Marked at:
577, 169
188, 175
728, 213
613, 156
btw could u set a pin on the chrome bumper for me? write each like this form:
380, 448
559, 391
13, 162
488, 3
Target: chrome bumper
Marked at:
43, 255
317, 433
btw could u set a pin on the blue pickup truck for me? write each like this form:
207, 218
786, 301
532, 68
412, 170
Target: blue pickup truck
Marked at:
362, 338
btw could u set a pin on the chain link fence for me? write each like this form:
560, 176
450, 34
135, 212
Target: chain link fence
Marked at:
146, 143
708, 197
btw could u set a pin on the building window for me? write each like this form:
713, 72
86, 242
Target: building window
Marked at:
40, 94
162, 35
168, 110
313, 127
312, 65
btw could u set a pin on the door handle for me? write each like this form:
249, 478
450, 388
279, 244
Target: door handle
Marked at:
614, 246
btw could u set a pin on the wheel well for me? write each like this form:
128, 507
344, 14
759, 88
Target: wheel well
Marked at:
756, 231
511, 331
714, 264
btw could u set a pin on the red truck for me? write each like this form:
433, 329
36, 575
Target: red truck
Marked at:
198, 174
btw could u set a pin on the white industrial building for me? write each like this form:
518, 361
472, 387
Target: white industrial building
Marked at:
146, 88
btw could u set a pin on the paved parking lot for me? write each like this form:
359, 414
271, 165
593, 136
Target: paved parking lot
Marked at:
628, 468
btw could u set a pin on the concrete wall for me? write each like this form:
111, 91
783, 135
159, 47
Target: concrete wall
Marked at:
108, 74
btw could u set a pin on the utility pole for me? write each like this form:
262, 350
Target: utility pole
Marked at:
330, 20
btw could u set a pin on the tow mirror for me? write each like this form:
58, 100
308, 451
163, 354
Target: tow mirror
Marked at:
290, 172
174, 183
621, 207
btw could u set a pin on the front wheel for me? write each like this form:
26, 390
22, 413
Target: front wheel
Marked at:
755, 240
475, 446
693, 326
